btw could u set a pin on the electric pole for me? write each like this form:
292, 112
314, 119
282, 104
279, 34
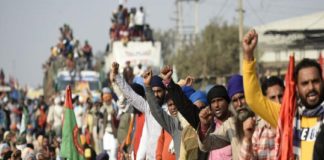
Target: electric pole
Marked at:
186, 34
179, 25
240, 11
196, 17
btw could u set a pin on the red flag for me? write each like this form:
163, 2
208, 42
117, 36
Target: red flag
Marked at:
284, 138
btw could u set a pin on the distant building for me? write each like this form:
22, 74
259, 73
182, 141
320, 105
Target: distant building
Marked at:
303, 36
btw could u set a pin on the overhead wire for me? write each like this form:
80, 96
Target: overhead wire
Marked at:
255, 13
222, 8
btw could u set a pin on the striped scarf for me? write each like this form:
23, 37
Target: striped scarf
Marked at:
302, 111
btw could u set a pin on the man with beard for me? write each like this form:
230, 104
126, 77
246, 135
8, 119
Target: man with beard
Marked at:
153, 128
170, 122
310, 107
233, 129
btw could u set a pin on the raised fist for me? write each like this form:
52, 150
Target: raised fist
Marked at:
113, 71
248, 127
166, 73
249, 43
189, 80
205, 116
147, 77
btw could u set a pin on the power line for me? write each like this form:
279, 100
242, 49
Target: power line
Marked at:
255, 13
222, 8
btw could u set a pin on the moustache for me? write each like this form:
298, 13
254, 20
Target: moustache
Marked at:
242, 109
244, 113
313, 92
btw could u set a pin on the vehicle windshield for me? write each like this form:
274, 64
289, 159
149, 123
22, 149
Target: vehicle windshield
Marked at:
94, 85
78, 85
61, 84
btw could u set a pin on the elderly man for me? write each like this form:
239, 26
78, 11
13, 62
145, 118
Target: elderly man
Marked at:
234, 128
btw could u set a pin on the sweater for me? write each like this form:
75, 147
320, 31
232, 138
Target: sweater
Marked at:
170, 124
221, 137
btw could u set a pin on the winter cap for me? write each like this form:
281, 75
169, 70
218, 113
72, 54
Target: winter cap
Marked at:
217, 91
156, 81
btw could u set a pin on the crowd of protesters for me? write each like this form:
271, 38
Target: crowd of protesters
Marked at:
144, 116
70, 50
23, 123
129, 25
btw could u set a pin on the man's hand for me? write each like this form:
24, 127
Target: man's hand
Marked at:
113, 71
189, 80
248, 127
147, 78
250, 41
205, 116
166, 73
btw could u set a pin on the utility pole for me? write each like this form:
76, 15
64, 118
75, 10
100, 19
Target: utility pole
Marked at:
196, 17
240, 11
185, 34
179, 25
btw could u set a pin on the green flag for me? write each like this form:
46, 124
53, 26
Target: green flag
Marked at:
70, 146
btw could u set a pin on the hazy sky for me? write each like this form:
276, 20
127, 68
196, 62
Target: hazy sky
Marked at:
28, 28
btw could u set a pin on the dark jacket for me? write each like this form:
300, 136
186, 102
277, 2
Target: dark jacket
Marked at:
188, 110
318, 153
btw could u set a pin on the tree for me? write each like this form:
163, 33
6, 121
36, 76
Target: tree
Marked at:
215, 52
167, 39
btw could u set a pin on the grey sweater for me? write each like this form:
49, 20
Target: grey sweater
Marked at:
170, 124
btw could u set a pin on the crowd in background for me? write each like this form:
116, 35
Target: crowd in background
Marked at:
129, 25
70, 50
31, 127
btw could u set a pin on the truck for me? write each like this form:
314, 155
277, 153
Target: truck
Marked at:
84, 82
81, 82
69, 65
146, 53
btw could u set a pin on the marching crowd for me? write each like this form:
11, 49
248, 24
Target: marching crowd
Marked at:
153, 117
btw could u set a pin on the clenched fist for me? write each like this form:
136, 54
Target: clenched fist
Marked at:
166, 73
206, 117
113, 71
147, 77
248, 127
250, 41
